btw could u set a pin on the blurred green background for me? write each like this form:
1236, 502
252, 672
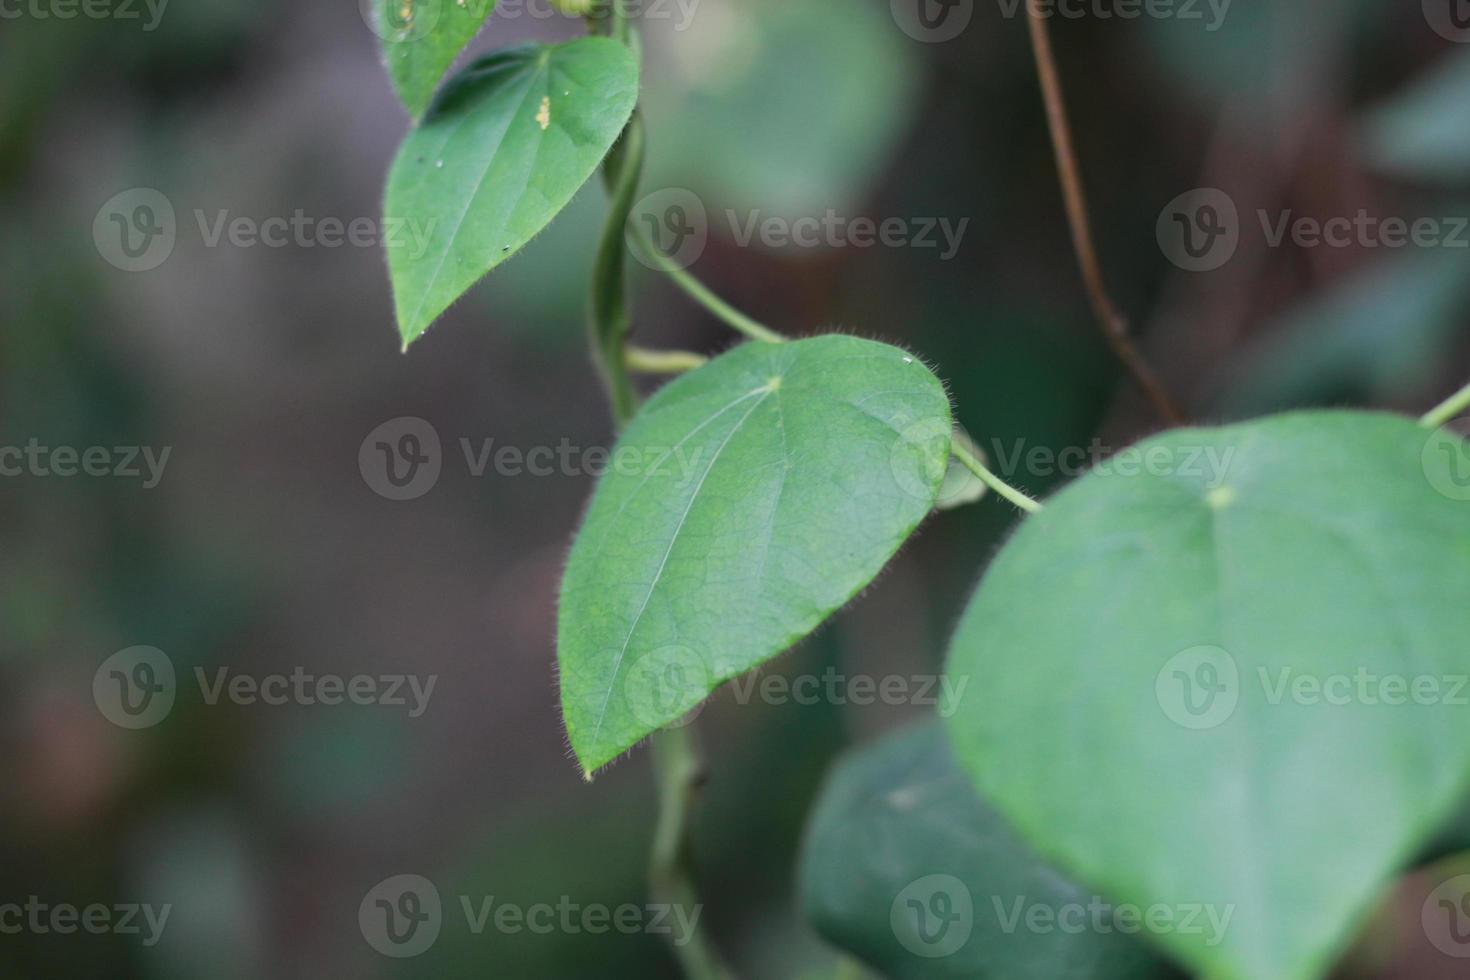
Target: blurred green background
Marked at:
263, 549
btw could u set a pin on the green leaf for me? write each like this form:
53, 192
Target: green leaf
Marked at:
1255, 53
753, 121
1140, 661
1424, 132
504, 149
899, 823
1381, 333
745, 503
420, 40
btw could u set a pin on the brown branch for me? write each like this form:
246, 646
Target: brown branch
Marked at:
1114, 324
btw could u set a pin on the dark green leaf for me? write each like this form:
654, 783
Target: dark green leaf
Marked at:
1379, 334
899, 822
1425, 131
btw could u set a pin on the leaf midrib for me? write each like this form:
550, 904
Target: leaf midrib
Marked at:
673, 540
537, 66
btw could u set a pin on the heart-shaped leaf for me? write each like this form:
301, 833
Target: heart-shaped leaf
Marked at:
420, 40
504, 149
907, 869
1229, 668
745, 503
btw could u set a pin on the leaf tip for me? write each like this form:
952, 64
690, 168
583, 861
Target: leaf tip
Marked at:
408, 335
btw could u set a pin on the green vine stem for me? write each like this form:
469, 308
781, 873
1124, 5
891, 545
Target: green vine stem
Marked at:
680, 770
701, 293
973, 464
646, 361
611, 321
1448, 409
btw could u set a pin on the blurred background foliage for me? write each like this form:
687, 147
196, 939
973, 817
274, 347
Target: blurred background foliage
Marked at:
263, 549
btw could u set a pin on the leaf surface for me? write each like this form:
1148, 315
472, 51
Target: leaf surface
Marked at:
905, 867
745, 503
1229, 669
505, 148
420, 40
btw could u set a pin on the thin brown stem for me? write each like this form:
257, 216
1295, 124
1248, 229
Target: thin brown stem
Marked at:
1114, 324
